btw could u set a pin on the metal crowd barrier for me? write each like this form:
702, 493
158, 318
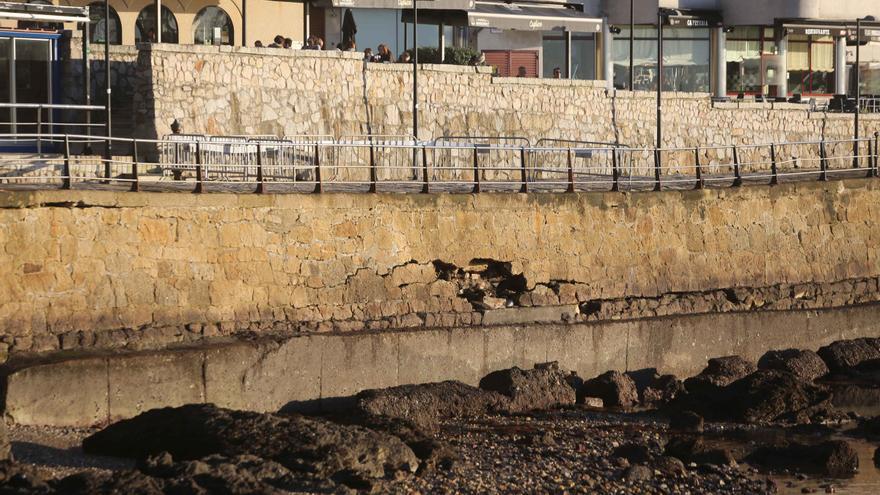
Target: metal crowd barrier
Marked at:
402, 164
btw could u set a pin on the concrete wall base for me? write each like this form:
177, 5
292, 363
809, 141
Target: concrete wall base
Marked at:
317, 370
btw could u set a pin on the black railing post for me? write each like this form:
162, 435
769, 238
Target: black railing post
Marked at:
319, 179
40, 130
774, 172
524, 188
570, 172
870, 158
476, 169
615, 171
699, 169
66, 181
261, 188
823, 166
737, 174
135, 176
373, 174
199, 172
877, 154
657, 185
426, 176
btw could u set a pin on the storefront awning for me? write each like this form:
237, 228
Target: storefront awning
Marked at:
688, 18
812, 28
43, 13
397, 4
515, 16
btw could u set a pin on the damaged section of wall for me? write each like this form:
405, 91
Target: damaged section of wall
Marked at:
88, 269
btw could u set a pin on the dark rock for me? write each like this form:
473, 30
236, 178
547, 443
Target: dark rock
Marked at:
868, 428
769, 395
426, 404
111, 483
21, 479
855, 397
806, 365
638, 473
662, 390
688, 421
877, 458
834, 458
697, 451
614, 388
668, 466
845, 354
298, 443
633, 452
544, 387
719, 372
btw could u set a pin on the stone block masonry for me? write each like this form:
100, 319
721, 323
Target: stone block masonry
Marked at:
251, 91
91, 269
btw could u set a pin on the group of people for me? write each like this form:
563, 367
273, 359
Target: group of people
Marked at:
313, 43
383, 54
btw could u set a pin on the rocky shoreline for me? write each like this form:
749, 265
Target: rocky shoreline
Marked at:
736, 427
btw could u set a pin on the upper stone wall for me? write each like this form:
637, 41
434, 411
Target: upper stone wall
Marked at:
225, 90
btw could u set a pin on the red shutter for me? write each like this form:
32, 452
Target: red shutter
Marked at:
508, 62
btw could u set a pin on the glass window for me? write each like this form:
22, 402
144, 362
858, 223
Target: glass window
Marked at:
212, 26
583, 55
748, 53
32, 57
685, 59
553, 53
98, 27
5, 76
145, 27
810, 64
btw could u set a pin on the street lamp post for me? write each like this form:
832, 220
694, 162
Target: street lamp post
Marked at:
108, 147
858, 89
632, 26
415, 59
657, 154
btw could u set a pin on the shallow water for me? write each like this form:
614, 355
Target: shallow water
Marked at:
865, 482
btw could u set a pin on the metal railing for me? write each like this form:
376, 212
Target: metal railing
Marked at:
402, 164
43, 118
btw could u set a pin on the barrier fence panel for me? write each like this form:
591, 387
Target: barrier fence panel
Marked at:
400, 163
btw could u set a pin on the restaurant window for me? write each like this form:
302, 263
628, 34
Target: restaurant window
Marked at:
685, 58
98, 27
145, 27
583, 55
810, 64
747, 49
212, 26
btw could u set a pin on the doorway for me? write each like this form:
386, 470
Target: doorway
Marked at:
27, 76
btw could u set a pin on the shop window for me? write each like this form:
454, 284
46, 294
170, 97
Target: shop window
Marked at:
145, 27
98, 27
212, 26
810, 64
583, 55
747, 50
685, 59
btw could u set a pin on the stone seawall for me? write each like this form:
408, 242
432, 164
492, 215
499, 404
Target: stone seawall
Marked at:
89, 269
234, 91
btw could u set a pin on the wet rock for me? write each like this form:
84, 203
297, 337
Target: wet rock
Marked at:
855, 397
877, 458
425, 404
770, 395
635, 453
697, 451
638, 473
107, 483
719, 372
868, 428
614, 388
806, 365
845, 354
544, 387
5, 447
298, 443
687, 421
662, 390
835, 458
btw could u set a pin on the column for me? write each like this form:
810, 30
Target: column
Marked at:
782, 87
567, 55
442, 38
607, 63
720, 63
158, 21
840, 65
